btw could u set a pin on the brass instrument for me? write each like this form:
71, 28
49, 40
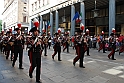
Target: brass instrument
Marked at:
11, 43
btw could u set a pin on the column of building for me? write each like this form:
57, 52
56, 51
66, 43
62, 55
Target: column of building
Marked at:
111, 15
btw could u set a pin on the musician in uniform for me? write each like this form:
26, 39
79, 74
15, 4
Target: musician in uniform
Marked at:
80, 51
102, 42
67, 40
45, 45
18, 48
112, 42
9, 45
49, 41
35, 54
4, 43
57, 47
88, 41
1, 41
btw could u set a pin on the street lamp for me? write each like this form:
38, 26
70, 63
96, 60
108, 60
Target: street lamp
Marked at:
95, 11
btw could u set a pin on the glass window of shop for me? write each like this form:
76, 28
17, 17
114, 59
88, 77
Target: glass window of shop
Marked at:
118, 9
122, 9
88, 15
106, 12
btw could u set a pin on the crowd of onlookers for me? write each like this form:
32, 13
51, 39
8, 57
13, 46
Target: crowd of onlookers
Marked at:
94, 41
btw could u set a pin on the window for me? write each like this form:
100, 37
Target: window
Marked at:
24, 19
35, 5
39, 3
24, 9
106, 12
32, 7
118, 10
122, 9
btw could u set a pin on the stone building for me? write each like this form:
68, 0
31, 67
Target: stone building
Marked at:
15, 11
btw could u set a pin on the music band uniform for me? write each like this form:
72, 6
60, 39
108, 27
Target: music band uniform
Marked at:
18, 48
35, 55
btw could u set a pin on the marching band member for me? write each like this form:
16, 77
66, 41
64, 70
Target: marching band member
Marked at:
57, 47
1, 41
35, 53
18, 47
49, 40
81, 49
9, 45
112, 41
45, 45
88, 41
102, 43
121, 44
67, 40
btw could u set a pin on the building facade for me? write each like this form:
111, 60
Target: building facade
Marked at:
16, 11
96, 15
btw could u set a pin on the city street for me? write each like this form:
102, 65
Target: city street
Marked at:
99, 69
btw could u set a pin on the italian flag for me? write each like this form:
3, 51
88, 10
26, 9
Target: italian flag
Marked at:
81, 26
78, 20
49, 25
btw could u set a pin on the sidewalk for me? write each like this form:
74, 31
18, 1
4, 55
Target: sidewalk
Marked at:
98, 69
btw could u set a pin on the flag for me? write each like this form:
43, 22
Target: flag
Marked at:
113, 30
80, 17
81, 26
48, 25
102, 32
43, 29
76, 16
59, 30
36, 22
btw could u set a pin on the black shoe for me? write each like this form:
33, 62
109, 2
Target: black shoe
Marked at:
30, 75
119, 53
73, 63
38, 81
88, 55
104, 52
82, 67
45, 55
21, 68
113, 59
6, 58
108, 57
59, 60
53, 57
13, 64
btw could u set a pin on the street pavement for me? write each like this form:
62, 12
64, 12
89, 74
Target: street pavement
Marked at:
99, 69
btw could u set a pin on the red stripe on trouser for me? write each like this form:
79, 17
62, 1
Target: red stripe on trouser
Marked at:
76, 50
78, 55
111, 53
101, 46
122, 49
30, 57
55, 52
85, 48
